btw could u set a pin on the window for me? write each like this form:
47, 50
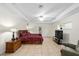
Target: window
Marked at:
67, 25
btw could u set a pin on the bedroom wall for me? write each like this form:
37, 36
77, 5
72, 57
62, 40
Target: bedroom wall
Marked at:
66, 32
71, 35
46, 29
4, 37
75, 31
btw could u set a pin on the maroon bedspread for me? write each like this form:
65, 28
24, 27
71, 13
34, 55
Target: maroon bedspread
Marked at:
27, 37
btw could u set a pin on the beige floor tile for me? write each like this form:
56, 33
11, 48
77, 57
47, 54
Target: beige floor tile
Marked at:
48, 48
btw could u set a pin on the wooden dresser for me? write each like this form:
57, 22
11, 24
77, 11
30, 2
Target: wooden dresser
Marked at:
12, 46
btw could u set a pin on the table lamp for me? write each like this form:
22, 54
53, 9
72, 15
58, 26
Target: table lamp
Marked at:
13, 34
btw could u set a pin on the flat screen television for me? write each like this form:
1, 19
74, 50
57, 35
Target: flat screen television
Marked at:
59, 35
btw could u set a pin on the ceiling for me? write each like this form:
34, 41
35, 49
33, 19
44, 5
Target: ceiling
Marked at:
18, 14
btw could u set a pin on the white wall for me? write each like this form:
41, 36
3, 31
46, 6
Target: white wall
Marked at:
4, 37
46, 29
71, 35
75, 31
66, 32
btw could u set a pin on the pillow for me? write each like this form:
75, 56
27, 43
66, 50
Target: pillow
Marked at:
77, 46
69, 49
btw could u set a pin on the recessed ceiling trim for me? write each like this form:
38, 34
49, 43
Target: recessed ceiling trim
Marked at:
16, 10
74, 6
27, 17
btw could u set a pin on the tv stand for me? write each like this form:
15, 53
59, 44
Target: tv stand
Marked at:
57, 40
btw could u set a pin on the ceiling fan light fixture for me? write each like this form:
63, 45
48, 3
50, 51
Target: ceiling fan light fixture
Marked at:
41, 18
40, 6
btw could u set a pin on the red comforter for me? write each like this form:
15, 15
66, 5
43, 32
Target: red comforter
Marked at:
27, 37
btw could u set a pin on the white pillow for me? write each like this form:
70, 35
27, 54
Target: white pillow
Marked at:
77, 46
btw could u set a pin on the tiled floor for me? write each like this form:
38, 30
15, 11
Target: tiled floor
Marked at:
48, 48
